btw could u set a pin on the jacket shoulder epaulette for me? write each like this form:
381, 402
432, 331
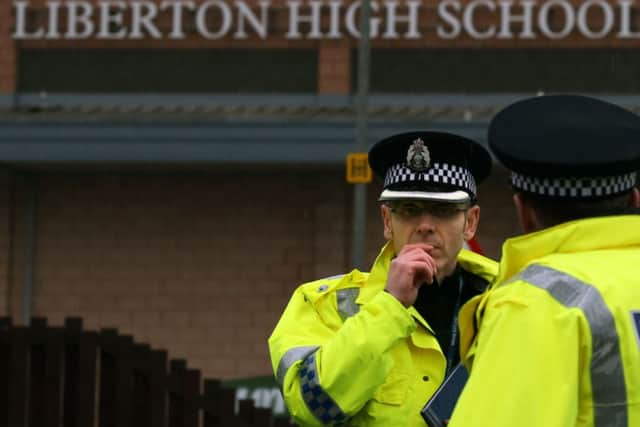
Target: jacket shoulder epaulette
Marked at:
318, 289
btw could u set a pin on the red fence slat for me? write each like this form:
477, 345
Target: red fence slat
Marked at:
68, 377
184, 395
80, 375
5, 379
18, 374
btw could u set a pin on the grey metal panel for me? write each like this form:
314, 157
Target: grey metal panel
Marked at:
203, 100
103, 128
172, 100
321, 143
250, 133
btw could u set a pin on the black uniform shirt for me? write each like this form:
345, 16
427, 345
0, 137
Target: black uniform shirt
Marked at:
437, 302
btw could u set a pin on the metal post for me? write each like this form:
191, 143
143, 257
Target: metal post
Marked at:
362, 138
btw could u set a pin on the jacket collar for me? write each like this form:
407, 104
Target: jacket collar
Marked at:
574, 236
378, 279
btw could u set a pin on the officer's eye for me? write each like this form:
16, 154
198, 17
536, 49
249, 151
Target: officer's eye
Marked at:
408, 210
444, 211
438, 210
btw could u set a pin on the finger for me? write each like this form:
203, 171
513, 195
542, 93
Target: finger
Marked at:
412, 247
419, 255
422, 272
416, 256
416, 252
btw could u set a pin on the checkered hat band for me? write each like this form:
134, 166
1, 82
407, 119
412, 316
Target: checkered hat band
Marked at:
438, 173
575, 186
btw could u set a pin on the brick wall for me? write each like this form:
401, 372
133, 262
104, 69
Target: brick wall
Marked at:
7, 50
6, 259
334, 68
199, 264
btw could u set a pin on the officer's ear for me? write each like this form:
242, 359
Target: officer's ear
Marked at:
635, 198
526, 213
472, 217
385, 211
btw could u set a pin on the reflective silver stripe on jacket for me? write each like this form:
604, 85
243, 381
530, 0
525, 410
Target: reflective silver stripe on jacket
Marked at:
317, 400
607, 372
291, 357
347, 306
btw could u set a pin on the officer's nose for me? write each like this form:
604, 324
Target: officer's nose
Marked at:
425, 224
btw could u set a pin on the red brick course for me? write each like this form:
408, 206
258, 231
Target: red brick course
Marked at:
8, 62
6, 260
334, 63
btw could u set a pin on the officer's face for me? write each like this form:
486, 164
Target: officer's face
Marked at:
444, 226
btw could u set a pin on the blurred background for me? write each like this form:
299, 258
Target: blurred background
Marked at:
174, 169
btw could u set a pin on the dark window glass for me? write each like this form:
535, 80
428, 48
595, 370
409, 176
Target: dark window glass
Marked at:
504, 70
167, 71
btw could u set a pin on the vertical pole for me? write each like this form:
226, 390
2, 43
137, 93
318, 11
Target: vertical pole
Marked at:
362, 139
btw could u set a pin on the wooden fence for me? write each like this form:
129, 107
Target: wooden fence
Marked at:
68, 377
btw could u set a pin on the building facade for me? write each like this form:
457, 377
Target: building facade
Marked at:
175, 169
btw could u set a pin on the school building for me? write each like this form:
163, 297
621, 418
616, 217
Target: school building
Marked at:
175, 168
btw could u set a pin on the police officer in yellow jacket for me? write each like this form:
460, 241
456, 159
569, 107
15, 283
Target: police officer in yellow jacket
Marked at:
559, 335
369, 349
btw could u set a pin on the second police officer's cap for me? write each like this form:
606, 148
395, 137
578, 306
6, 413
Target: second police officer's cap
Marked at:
429, 165
568, 146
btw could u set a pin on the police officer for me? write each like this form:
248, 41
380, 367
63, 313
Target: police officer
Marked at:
371, 348
559, 334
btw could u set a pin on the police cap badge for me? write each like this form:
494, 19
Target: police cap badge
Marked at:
429, 165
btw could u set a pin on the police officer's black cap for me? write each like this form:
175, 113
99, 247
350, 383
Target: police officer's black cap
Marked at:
429, 165
568, 146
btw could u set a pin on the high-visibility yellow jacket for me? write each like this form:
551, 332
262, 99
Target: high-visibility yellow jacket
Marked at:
345, 351
559, 338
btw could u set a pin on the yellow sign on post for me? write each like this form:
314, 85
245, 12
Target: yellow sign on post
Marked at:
358, 170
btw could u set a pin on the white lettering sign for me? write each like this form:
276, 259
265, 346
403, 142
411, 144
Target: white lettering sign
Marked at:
325, 19
263, 397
